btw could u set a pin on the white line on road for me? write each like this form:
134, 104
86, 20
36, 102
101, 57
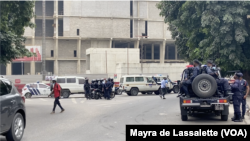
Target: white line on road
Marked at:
73, 100
42, 99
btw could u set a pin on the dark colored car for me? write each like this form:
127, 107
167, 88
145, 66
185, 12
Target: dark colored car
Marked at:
13, 116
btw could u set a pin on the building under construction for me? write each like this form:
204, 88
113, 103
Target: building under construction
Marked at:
72, 27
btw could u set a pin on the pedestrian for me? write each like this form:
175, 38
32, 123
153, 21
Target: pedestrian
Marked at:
87, 89
56, 91
108, 87
163, 88
245, 92
237, 98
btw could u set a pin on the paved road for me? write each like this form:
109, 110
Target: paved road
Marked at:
103, 120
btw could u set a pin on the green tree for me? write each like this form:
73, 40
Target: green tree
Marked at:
14, 17
216, 30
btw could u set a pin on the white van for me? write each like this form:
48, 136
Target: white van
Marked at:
71, 85
133, 84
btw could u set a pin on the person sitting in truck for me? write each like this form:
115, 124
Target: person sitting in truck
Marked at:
185, 73
196, 72
220, 81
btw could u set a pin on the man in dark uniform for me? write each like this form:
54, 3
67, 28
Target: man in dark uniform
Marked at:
108, 88
99, 89
185, 73
93, 84
237, 98
196, 72
245, 92
87, 89
220, 81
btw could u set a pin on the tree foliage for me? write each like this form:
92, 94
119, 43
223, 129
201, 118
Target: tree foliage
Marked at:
216, 30
14, 17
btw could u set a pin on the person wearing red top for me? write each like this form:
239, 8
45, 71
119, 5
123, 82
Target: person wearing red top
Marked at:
56, 91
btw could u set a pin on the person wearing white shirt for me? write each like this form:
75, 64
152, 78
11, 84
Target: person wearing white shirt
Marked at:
163, 88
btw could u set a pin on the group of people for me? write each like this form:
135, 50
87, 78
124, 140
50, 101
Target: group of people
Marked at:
102, 85
239, 87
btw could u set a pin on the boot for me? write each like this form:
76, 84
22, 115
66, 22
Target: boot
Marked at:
243, 117
238, 119
233, 118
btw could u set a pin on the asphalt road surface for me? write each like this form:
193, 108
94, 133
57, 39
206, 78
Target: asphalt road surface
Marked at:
103, 120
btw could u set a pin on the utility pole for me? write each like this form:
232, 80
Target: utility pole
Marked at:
43, 43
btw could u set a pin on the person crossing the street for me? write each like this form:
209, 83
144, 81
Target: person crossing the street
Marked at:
57, 94
163, 88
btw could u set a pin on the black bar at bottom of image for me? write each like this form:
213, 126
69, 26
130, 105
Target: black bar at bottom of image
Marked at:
163, 132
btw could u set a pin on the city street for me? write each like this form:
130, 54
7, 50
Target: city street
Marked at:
103, 120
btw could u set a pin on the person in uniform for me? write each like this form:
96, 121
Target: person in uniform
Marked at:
220, 81
245, 92
93, 84
237, 98
188, 82
108, 88
99, 89
185, 73
87, 89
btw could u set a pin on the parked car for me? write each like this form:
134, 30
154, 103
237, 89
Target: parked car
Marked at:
133, 84
35, 89
71, 85
13, 115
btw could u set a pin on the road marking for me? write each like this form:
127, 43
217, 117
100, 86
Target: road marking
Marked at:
73, 100
42, 99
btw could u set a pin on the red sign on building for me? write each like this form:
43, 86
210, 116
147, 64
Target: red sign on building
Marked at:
33, 49
17, 81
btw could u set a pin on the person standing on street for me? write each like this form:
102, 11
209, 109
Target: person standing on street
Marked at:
57, 94
163, 88
237, 98
108, 87
245, 92
87, 89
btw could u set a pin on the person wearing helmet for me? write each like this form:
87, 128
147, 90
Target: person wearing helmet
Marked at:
87, 89
237, 97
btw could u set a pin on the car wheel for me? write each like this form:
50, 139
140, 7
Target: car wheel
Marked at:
143, 92
134, 91
66, 94
204, 86
119, 92
129, 94
184, 117
28, 95
17, 128
158, 92
176, 89
224, 117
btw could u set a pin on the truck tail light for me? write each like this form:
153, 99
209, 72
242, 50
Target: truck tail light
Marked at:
222, 101
187, 101
25, 89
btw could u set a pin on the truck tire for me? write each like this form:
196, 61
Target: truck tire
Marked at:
176, 89
66, 94
224, 117
204, 86
184, 117
129, 94
134, 91
143, 92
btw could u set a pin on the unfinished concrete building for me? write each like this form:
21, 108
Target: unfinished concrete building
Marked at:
72, 27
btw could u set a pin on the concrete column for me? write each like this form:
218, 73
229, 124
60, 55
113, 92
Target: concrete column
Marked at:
152, 52
162, 52
79, 56
32, 68
8, 69
176, 57
110, 43
56, 70
136, 44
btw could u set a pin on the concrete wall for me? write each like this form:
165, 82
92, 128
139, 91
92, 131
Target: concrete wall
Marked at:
155, 29
154, 12
66, 48
101, 8
174, 70
67, 67
49, 45
114, 56
83, 67
96, 27
84, 45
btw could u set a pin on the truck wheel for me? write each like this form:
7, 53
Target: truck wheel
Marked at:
66, 94
176, 89
157, 93
184, 117
204, 86
134, 91
129, 94
224, 117
143, 92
